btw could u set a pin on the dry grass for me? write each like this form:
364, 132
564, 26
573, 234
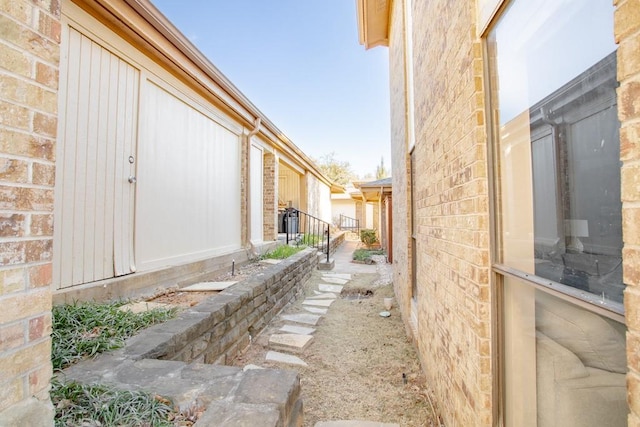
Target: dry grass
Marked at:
356, 362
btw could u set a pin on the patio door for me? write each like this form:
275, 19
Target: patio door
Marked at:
96, 163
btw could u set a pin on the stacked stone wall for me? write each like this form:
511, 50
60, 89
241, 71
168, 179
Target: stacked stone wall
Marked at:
219, 328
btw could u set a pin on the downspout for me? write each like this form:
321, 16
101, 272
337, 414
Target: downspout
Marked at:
252, 253
380, 224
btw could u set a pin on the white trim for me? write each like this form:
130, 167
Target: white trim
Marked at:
408, 70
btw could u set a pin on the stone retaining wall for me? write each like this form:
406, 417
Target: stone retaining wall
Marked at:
217, 329
336, 240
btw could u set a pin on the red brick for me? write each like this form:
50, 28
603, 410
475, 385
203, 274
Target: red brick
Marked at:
47, 75
39, 379
14, 170
12, 253
629, 100
45, 124
21, 198
43, 174
39, 327
41, 225
49, 27
38, 250
630, 142
40, 275
12, 225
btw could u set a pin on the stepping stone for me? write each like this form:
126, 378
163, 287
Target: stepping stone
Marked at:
335, 280
330, 288
274, 356
292, 329
251, 367
323, 295
354, 423
209, 286
142, 306
308, 319
316, 310
318, 302
290, 342
270, 261
338, 275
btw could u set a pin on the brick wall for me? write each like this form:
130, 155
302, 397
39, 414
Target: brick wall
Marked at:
451, 191
399, 164
29, 48
627, 34
270, 194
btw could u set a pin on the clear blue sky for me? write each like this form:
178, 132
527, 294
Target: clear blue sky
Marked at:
300, 63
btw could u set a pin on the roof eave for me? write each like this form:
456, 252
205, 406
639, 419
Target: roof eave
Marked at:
373, 22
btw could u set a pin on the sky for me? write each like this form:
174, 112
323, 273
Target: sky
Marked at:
300, 63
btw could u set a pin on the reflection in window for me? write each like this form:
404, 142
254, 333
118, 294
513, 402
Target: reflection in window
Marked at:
576, 183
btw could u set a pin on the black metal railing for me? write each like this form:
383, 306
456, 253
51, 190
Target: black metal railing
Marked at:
350, 224
304, 229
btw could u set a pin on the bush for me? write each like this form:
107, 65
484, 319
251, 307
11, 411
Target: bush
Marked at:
282, 252
85, 329
368, 236
364, 255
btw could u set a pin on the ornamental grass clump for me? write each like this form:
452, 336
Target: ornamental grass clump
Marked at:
282, 252
84, 329
98, 405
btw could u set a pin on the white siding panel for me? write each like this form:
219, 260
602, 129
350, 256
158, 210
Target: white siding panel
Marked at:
188, 201
99, 104
288, 186
257, 200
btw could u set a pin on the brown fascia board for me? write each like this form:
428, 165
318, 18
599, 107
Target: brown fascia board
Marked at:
142, 22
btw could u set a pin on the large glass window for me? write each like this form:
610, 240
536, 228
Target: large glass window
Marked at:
553, 87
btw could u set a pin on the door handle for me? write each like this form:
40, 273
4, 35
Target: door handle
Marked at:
132, 179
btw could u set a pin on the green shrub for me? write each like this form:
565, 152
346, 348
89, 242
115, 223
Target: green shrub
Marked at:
309, 239
368, 236
365, 254
282, 252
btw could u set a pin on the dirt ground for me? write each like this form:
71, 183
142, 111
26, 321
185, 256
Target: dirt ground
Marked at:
361, 366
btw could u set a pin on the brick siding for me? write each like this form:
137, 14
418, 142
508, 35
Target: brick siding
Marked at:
270, 191
627, 34
452, 218
29, 47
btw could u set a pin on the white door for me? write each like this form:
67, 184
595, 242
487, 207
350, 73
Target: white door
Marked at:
95, 164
